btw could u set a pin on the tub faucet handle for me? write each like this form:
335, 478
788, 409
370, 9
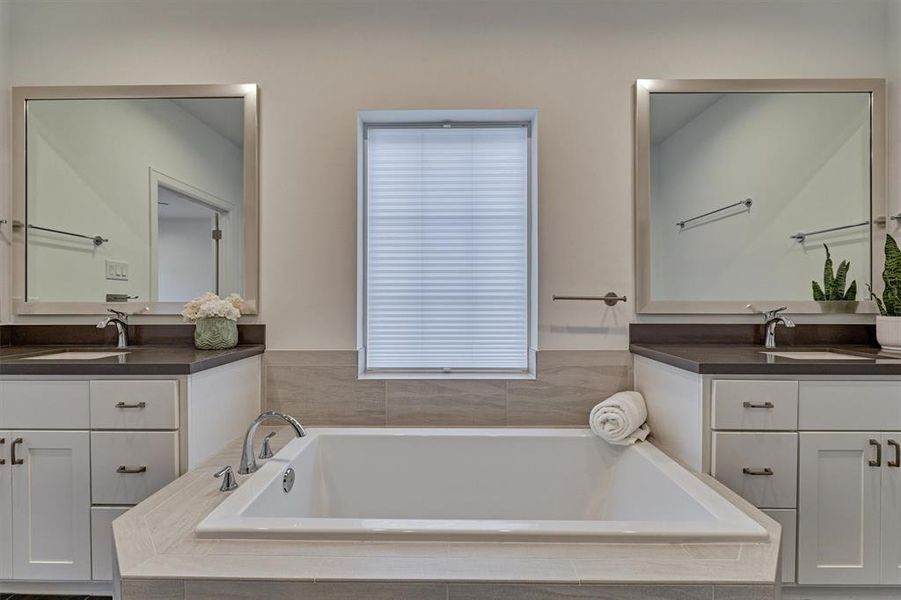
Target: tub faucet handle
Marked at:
266, 450
229, 482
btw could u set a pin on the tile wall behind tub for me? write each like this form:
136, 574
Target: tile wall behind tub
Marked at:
321, 388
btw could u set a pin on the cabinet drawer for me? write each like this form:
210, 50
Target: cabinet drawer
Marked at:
102, 518
760, 467
134, 404
789, 521
44, 404
850, 405
755, 405
128, 466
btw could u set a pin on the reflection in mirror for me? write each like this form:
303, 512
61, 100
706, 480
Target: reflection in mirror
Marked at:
138, 198
736, 177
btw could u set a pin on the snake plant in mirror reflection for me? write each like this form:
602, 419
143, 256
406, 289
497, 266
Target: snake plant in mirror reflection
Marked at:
890, 303
834, 283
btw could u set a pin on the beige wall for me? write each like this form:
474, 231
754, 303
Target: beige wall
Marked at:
318, 64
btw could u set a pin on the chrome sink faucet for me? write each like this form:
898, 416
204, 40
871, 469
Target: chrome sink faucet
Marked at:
771, 318
248, 460
120, 319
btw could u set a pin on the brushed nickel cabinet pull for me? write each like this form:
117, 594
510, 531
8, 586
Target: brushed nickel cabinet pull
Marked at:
12, 451
758, 405
138, 405
763, 471
897, 447
878, 461
2, 460
131, 470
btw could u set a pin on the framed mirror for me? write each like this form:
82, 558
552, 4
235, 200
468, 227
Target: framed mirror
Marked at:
140, 197
744, 187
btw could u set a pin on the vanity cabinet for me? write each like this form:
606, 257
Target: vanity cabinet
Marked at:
6, 508
51, 502
102, 518
839, 508
45, 501
819, 454
761, 467
891, 510
88, 448
754, 450
850, 508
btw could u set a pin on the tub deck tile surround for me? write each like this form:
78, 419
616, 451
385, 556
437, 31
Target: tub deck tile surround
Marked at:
216, 590
160, 558
153, 590
742, 592
447, 403
568, 385
322, 388
330, 395
588, 592
294, 590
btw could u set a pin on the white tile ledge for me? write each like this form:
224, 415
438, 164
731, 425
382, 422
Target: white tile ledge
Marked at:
155, 541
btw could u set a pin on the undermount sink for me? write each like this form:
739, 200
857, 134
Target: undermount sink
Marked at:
75, 355
817, 355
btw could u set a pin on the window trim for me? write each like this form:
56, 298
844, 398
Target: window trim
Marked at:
443, 119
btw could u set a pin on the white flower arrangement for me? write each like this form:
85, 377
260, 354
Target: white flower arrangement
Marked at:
209, 305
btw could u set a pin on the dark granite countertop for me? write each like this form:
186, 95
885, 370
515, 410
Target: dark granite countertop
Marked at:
139, 360
742, 359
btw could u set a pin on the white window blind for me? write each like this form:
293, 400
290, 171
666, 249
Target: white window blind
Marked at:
447, 248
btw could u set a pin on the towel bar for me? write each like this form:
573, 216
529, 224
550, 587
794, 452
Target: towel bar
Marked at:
610, 298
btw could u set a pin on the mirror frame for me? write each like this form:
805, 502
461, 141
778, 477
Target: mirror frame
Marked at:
642, 190
20, 98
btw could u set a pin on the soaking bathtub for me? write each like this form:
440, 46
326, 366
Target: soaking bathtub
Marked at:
474, 484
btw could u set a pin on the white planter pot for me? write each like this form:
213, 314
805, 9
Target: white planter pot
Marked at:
888, 333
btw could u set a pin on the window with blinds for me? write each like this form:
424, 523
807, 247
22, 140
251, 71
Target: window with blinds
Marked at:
446, 248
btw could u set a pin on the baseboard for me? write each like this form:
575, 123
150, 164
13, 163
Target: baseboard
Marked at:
59, 588
838, 592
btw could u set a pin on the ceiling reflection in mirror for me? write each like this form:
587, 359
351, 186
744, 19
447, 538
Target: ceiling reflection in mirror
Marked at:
748, 189
138, 199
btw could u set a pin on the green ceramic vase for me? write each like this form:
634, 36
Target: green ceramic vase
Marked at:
217, 333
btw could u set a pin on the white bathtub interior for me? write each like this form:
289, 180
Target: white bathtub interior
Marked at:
484, 483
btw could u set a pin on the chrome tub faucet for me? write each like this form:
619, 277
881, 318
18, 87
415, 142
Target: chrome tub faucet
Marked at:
248, 460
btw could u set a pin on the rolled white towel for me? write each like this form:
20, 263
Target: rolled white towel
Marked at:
620, 419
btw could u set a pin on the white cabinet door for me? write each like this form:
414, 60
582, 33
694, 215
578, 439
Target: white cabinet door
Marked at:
6, 509
51, 505
102, 518
789, 521
891, 509
839, 504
